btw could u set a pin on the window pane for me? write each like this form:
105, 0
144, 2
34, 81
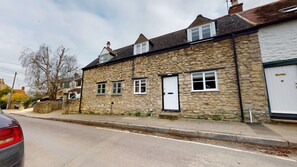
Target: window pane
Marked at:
119, 84
206, 31
143, 89
136, 89
114, 87
210, 84
143, 48
103, 86
103, 91
138, 49
136, 83
119, 90
210, 76
198, 86
195, 34
197, 77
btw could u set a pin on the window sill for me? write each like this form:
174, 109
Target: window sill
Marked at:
116, 94
140, 93
195, 91
100, 94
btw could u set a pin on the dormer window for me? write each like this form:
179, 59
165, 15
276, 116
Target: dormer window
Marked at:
142, 45
106, 54
201, 32
141, 48
104, 58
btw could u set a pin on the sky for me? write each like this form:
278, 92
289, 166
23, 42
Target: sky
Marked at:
84, 26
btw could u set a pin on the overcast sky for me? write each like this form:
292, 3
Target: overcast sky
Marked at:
84, 26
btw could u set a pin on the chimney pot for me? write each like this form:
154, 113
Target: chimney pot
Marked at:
23, 88
108, 44
234, 2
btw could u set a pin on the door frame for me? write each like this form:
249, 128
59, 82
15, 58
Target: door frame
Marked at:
162, 94
279, 63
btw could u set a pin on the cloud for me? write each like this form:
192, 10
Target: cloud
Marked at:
84, 26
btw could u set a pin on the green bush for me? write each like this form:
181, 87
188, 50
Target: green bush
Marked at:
216, 117
138, 114
3, 104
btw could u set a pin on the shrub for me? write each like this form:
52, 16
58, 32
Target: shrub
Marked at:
137, 114
3, 104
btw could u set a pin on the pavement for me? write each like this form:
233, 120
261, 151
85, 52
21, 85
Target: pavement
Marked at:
269, 134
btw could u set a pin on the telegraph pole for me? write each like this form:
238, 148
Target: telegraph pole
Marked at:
11, 91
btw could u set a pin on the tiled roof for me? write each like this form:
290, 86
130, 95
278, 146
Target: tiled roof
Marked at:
270, 13
224, 25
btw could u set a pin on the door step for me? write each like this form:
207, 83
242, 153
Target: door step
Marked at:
169, 115
284, 121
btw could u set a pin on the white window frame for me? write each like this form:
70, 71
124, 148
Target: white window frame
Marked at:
204, 83
102, 83
212, 31
117, 88
139, 85
143, 48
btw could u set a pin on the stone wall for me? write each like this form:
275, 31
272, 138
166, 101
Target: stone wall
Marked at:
222, 104
47, 106
71, 106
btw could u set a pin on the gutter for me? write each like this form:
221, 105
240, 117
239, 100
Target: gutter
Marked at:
237, 77
81, 92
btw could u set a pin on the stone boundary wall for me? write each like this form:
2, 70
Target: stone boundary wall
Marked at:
71, 106
47, 106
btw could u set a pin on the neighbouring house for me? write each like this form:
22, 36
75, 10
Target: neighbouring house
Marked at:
70, 86
211, 69
3, 85
18, 95
277, 23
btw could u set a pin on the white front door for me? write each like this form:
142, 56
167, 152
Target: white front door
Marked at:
282, 89
170, 93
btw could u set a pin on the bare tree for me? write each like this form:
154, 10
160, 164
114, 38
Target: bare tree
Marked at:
45, 69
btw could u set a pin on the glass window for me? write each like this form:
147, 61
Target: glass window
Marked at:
138, 49
198, 81
140, 86
201, 32
117, 88
195, 34
206, 31
78, 83
204, 81
143, 46
101, 88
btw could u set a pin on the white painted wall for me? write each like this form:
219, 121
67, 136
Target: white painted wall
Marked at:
278, 42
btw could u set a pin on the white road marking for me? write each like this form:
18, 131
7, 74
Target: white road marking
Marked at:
198, 143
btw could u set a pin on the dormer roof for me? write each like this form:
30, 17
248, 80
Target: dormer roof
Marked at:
200, 20
141, 39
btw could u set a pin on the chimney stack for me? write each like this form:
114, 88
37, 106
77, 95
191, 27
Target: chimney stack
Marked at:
23, 88
235, 8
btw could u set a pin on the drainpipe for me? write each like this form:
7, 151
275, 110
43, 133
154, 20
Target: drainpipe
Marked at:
81, 91
237, 77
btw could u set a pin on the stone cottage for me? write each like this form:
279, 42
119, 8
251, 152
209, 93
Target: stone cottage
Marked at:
211, 69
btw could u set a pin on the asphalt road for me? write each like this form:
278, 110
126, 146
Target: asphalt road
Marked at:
57, 144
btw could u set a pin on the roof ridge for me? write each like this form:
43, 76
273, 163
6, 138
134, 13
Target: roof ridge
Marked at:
262, 6
245, 19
